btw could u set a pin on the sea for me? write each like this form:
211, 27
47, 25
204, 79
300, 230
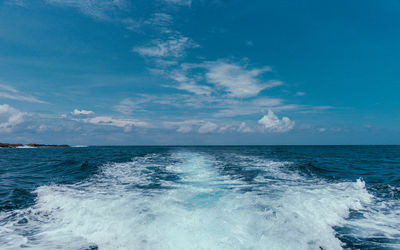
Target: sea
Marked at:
200, 197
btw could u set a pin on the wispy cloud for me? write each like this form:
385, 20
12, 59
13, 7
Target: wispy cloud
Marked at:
180, 2
124, 123
244, 107
161, 22
126, 106
249, 43
21, 3
237, 80
218, 107
182, 126
194, 88
8, 88
233, 79
201, 126
205, 126
99, 9
188, 84
12, 93
173, 46
208, 127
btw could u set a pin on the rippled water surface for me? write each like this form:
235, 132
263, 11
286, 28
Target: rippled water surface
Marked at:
272, 197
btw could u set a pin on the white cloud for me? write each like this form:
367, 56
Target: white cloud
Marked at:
127, 124
9, 118
248, 107
158, 21
272, 123
184, 129
180, 2
189, 125
236, 80
244, 128
226, 128
232, 78
207, 127
249, 43
267, 102
131, 24
125, 107
301, 93
194, 88
165, 63
238, 108
8, 88
322, 129
189, 85
173, 46
21, 3
42, 128
162, 21
20, 97
315, 109
183, 126
98, 9
12, 93
82, 112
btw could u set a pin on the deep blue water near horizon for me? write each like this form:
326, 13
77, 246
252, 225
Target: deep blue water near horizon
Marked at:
200, 197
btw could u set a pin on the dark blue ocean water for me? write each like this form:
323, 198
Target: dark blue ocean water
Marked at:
247, 197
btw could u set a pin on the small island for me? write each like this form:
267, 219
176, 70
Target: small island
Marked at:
33, 145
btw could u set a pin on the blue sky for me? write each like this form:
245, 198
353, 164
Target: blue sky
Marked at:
123, 72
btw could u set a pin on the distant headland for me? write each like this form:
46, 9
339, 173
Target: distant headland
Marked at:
31, 145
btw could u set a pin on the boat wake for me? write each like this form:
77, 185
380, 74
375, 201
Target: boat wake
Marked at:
190, 200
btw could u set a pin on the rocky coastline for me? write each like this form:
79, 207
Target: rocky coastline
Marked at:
34, 145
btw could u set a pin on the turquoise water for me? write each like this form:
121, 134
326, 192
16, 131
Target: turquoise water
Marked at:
249, 197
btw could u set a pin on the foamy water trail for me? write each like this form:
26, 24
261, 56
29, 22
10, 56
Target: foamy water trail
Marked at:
185, 201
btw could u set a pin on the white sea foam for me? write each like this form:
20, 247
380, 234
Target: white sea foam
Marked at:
204, 210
